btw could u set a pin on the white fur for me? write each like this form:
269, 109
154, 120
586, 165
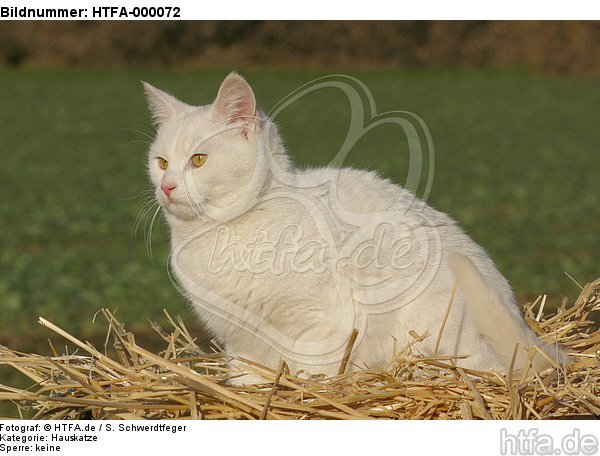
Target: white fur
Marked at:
249, 186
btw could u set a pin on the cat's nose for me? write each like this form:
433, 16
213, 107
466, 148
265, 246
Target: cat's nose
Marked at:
168, 189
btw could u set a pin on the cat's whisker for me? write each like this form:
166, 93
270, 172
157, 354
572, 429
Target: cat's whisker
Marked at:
147, 211
135, 141
199, 207
196, 206
146, 134
142, 194
141, 217
172, 276
146, 208
148, 199
149, 236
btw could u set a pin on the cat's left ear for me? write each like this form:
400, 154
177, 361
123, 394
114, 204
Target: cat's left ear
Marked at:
163, 106
235, 102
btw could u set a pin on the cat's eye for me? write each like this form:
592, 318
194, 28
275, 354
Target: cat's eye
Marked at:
162, 163
198, 160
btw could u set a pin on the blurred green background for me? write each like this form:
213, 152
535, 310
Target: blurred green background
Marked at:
516, 164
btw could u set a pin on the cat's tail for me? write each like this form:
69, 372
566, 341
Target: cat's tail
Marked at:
500, 322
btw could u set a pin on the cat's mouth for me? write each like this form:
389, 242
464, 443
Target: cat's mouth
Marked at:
180, 208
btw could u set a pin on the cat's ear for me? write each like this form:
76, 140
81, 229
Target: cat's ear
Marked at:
163, 106
235, 101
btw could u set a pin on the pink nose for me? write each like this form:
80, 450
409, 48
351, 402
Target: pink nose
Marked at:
168, 189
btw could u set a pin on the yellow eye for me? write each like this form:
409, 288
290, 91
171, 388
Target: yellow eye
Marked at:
198, 160
162, 163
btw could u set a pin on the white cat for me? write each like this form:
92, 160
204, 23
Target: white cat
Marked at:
283, 263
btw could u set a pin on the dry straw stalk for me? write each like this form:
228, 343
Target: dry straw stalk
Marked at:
127, 381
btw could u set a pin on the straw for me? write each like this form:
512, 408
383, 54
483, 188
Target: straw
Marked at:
127, 381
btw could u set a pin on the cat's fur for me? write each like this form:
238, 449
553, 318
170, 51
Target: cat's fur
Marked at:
249, 185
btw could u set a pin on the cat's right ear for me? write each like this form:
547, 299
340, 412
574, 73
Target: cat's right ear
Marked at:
235, 101
163, 106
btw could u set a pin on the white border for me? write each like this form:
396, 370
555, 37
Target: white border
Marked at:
348, 10
302, 438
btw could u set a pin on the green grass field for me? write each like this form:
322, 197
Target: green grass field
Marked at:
516, 164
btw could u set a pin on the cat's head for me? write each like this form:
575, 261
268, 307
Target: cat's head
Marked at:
206, 161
